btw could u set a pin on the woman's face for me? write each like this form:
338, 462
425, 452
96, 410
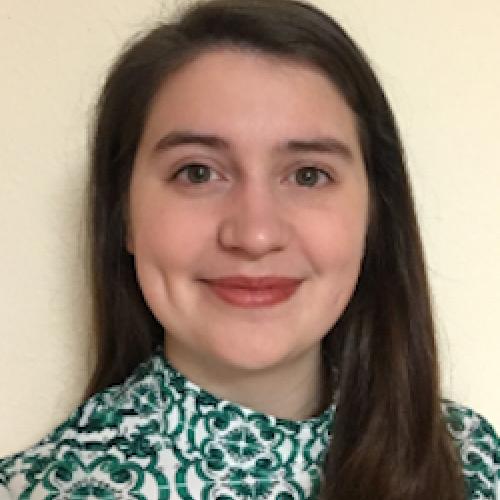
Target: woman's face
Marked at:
251, 166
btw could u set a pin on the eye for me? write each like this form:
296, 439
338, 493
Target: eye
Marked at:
310, 176
196, 173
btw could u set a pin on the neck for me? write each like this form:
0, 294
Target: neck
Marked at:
293, 390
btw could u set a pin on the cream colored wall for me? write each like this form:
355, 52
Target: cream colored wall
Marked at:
439, 62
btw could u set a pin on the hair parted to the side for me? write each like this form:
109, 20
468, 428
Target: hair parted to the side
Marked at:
390, 441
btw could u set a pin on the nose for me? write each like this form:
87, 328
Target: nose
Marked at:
253, 223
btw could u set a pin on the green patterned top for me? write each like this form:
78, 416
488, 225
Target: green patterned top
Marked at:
159, 436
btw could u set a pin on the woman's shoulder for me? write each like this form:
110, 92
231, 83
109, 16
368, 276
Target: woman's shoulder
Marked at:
479, 449
89, 432
96, 415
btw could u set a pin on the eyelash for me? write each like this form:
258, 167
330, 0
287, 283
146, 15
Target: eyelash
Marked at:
186, 167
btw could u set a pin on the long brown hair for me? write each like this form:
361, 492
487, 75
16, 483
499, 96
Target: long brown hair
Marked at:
389, 439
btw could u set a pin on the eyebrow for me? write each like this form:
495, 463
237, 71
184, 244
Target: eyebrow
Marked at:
180, 138
329, 145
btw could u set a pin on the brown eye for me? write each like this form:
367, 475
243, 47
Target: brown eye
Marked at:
197, 173
310, 176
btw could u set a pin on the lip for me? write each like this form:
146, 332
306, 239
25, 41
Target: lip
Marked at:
245, 291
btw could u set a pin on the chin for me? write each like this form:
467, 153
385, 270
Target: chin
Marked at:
251, 358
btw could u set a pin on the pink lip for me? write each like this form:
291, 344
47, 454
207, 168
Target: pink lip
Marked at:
245, 291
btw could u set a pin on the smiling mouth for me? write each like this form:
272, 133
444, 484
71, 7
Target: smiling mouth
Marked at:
256, 292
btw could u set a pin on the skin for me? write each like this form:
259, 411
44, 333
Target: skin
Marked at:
253, 214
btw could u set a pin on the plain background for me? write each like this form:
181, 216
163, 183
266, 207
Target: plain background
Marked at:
439, 61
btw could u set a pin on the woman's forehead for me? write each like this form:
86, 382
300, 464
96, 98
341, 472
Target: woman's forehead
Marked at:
234, 93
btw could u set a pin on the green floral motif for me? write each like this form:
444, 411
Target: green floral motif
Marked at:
159, 436
104, 477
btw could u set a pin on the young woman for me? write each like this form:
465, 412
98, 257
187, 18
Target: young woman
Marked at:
261, 304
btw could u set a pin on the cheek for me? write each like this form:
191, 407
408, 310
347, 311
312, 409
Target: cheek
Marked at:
169, 238
168, 248
335, 238
338, 256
